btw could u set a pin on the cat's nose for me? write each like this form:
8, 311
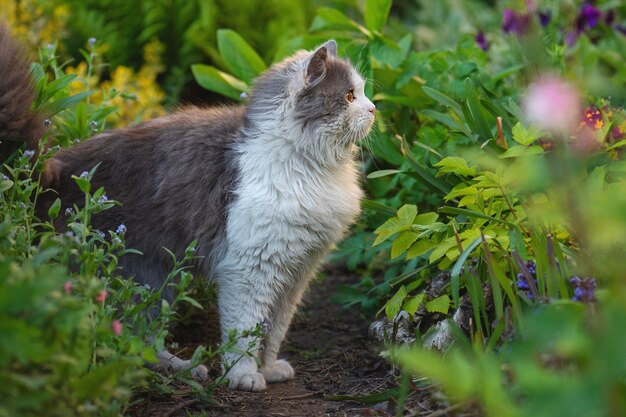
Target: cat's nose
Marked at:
372, 109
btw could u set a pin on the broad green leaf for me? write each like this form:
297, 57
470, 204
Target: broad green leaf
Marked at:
327, 18
401, 222
477, 114
402, 243
525, 136
454, 165
393, 305
240, 58
376, 14
441, 249
420, 248
412, 304
215, 80
379, 207
426, 218
407, 214
438, 305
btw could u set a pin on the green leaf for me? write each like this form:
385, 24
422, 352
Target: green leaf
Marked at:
412, 304
5, 185
402, 221
402, 243
442, 99
419, 248
83, 183
383, 173
472, 213
407, 214
54, 209
426, 218
455, 165
456, 269
438, 305
393, 305
327, 18
522, 151
379, 207
240, 58
376, 14
477, 115
54, 107
525, 136
213, 79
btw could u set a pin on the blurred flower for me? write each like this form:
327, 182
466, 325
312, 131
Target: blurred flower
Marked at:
84, 174
617, 133
552, 104
584, 289
117, 327
570, 38
545, 18
121, 229
514, 22
592, 118
103, 199
69, 211
588, 17
522, 282
481, 41
68, 287
29, 153
102, 296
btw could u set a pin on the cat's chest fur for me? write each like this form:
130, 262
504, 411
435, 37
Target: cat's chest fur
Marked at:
287, 209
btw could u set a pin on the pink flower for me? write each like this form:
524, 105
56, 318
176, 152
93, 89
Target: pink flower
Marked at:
68, 287
552, 104
102, 295
117, 327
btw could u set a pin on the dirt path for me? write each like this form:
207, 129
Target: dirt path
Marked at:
332, 355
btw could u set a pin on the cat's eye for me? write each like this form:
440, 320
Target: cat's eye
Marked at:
350, 96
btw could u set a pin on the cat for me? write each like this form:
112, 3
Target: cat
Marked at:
266, 188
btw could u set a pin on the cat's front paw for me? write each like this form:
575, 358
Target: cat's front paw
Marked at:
200, 372
279, 371
253, 381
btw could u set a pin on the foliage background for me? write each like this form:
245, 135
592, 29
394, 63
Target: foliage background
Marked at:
472, 199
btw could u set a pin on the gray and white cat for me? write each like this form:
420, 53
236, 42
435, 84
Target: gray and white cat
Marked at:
267, 189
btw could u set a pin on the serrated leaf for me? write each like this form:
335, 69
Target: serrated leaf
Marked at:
407, 214
392, 307
525, 136
426, 218
412, 304
240, 58
401, 222
441, 249
438, 305
402, 243
454, 165
419, 248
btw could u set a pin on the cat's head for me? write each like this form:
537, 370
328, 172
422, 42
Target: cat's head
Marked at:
315, 100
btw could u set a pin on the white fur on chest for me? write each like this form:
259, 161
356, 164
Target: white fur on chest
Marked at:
288, 211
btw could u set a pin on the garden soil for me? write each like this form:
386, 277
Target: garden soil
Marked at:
329, 348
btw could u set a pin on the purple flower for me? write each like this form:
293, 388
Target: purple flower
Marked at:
545, 18
516, 23
552, 104
482, 41
522, 282
570, 38
589, 15
584, 289
621, 28
29, 153
103, 199
121, 229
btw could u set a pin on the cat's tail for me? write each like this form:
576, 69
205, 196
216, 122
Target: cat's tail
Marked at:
18, 123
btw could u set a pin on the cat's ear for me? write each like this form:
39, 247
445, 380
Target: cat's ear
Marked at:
331, 47
316, 67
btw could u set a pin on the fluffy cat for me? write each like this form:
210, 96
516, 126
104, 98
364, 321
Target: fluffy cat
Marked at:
267, 189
